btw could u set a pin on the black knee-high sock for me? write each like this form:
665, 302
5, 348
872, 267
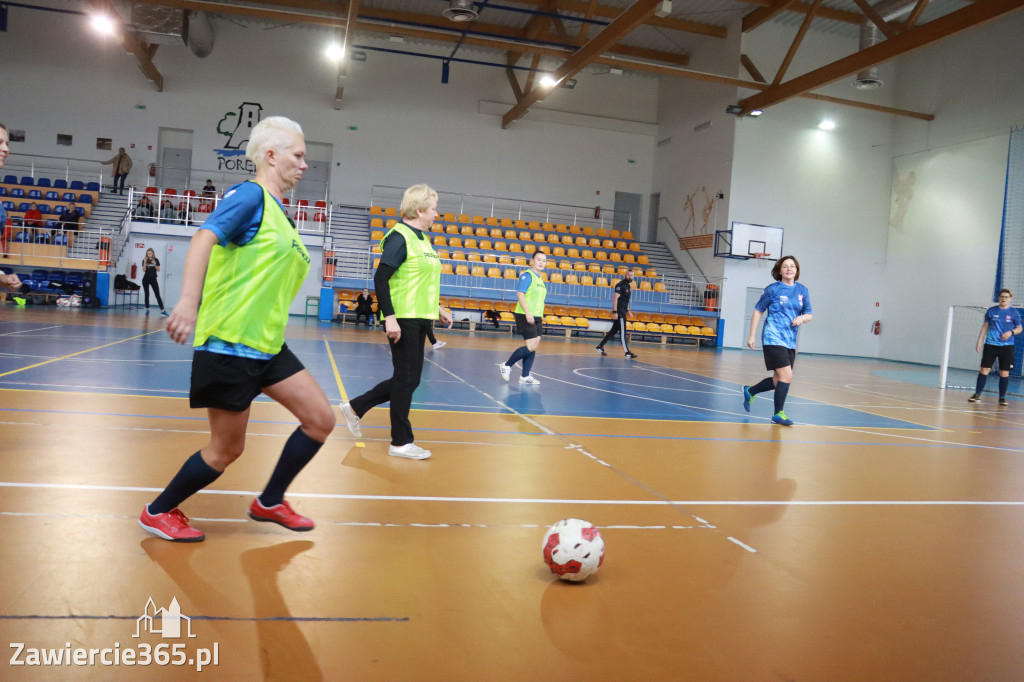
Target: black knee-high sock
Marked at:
766, 384
781, 391
298, 450
528, 362
980, 386
194, 475
517, 355
1004, 383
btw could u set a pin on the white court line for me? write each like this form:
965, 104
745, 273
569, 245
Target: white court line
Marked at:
26, 331
518, 500
359, 524
935, 441
743, 545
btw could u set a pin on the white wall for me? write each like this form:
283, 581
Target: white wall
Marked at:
409, 127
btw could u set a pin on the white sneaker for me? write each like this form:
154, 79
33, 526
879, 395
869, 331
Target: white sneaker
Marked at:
505, 370
409, 451
529, 380
440, 344
352, 420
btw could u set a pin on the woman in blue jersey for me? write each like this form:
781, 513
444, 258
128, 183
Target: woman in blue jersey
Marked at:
1001, 324
786, 305
10, 281
408, 287
246, 263
529, 315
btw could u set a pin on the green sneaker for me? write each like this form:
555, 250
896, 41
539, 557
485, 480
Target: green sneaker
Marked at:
781, 419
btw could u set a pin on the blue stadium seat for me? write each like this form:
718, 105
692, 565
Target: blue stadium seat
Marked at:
43, 182
74, 279
42, 238
60, 184
58, 209
56, 276
68, 196
28, 180
24, 206
77, 184
45, 208
17, 192
93, 187
60, 239
3, 191
9, 205
52, 196
85, 199
22, 236
40, 274
35, 194
10, 179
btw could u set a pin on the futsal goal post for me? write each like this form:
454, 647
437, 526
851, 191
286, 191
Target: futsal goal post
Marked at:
960, 356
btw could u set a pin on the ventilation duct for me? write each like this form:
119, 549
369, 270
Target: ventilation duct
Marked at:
461, 10
870, 35
199, 33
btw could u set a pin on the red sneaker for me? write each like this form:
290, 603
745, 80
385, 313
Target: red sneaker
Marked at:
281, 514
171, 526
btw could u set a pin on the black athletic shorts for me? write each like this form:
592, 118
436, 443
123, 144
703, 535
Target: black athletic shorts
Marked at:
1004, 354
228, 382
529, 331
778, 356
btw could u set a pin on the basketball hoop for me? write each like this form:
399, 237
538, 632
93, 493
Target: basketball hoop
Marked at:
760, 255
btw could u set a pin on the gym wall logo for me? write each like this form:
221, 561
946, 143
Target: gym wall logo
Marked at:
165, 622
236, 126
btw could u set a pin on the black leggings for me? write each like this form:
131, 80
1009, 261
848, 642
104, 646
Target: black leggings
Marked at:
146, 284
407, 360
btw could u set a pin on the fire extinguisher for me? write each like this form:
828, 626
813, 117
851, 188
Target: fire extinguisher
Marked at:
152, 170
876, 327
135, 270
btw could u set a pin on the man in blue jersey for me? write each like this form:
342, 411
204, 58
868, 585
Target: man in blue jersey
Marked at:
1001, 324
786, 305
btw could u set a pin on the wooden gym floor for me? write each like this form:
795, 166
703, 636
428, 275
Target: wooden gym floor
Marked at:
882, 538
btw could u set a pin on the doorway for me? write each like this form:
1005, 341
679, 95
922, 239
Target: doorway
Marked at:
651, 233
174, 158
628, 209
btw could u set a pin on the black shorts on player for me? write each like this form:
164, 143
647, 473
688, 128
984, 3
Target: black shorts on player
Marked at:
778, 356
990, 353
228, 382
529, 331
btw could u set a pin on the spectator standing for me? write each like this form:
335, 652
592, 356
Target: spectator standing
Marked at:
151, 266
122, 165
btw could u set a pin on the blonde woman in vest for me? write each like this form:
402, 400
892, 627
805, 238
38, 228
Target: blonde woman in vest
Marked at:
246, 263
529, 315
408, 287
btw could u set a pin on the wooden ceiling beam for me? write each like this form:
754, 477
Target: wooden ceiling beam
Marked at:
943, 27
884, 26
801, 32
612, 33
143, 52
759, 16
915, 14
751, 69
823, 13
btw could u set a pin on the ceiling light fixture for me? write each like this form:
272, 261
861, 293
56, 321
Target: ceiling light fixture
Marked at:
756, 112
548, 81
335, 52
827, 124
460, 11
103, 24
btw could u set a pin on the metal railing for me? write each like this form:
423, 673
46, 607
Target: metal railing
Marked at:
53, 167
460, 203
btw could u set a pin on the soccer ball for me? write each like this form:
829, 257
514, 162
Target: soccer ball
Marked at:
573, 549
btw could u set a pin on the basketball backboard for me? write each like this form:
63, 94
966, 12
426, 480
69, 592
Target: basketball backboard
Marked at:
747, 240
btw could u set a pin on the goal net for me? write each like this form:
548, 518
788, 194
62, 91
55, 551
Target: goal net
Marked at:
961, 359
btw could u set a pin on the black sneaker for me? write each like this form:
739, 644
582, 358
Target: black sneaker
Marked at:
601, 350
630, 354
974, 398
1002, 402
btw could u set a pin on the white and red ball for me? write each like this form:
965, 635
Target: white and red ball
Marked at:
573, 549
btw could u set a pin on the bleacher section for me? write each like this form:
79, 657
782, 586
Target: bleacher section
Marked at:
482, 258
